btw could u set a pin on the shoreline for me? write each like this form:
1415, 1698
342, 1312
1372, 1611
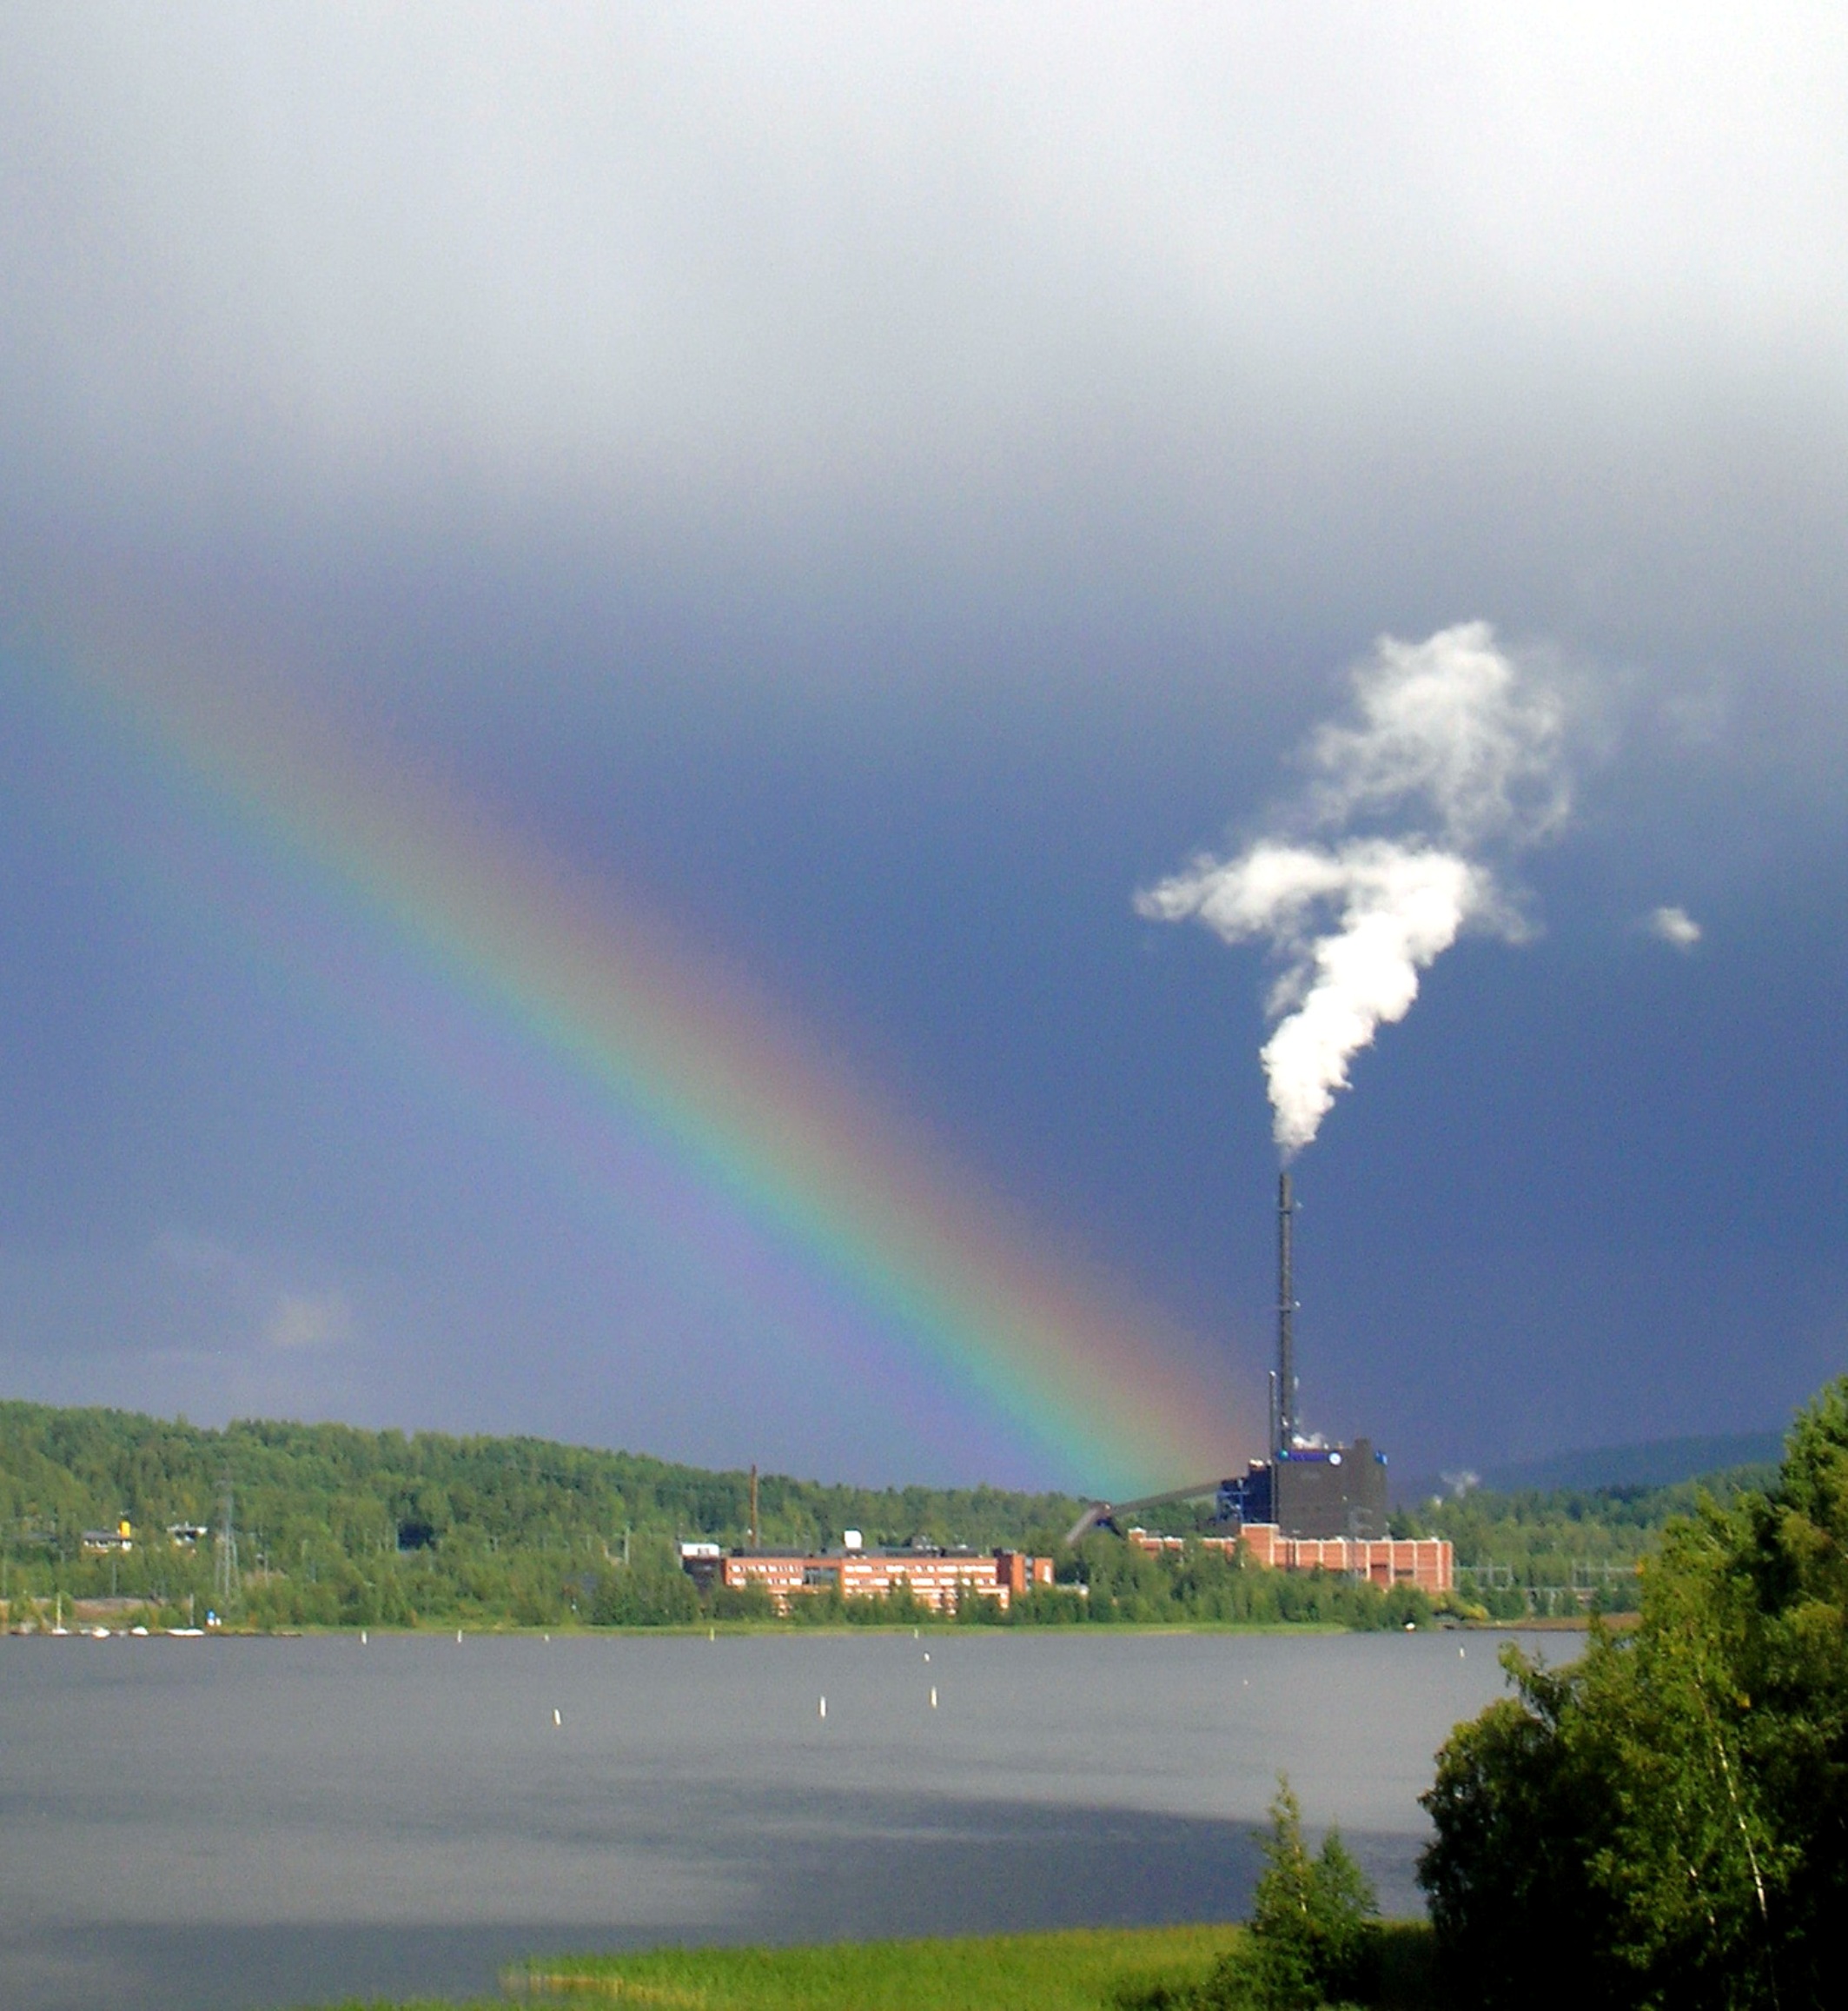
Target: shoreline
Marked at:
85, 1629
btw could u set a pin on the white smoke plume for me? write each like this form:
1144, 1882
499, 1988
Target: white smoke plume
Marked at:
1459, 751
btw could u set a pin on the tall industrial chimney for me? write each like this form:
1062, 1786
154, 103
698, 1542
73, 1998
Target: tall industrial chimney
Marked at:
1286, 1325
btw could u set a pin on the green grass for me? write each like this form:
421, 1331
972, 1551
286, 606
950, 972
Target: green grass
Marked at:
1079, 1970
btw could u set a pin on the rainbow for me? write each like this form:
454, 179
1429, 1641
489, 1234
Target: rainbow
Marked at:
634, 1038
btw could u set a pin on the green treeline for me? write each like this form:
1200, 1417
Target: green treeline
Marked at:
1547, 1553
1126, 1584
1665, 1822
338, 1527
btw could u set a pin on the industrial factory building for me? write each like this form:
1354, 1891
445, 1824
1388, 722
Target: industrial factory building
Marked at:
936, 1579
1311, 1491
1427, 1563
1308, 1506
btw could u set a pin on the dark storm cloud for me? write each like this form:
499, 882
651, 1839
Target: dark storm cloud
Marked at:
891, 482
1452, 314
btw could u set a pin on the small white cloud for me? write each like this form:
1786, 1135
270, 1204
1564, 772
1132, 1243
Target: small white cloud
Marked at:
301, 1319
1675, 927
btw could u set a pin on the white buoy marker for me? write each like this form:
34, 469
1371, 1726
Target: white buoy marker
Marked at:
824, 1706
558, 1717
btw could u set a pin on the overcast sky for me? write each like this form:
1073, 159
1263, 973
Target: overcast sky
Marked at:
881, 488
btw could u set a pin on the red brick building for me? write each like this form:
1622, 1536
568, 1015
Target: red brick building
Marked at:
1428, 1562
937, 1579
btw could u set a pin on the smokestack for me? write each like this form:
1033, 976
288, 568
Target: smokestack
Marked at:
1285, 1406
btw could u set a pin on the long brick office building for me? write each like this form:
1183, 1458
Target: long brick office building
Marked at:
936, 1579
1428, 1562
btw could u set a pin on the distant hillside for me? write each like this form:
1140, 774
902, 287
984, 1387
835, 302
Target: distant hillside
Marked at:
1660, 1463
63, 1469
1551, 1550
339, 1527
336, 1525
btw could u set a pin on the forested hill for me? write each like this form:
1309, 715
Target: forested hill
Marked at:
1655, 1463
63, 1472
1538, 1550
336, 1526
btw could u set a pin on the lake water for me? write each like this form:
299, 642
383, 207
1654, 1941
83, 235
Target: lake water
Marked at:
216, 1824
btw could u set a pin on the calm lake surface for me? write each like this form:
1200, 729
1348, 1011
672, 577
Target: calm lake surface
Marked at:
204, 1825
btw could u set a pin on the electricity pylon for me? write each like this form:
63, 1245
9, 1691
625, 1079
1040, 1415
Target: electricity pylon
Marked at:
226, 1584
